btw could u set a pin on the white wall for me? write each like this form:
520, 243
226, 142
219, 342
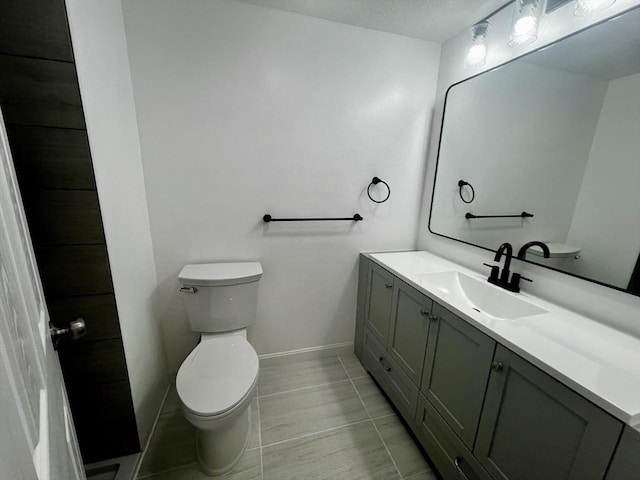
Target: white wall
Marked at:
608, 305
608, 226
245, 110
516, 162
99, 45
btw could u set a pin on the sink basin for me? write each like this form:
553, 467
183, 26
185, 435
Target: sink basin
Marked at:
480, 295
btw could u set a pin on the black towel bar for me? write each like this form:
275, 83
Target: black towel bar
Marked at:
268, 218
470, 215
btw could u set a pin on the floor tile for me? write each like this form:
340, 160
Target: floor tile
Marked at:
423, 476
254, 441
249, 468
307, 373
376, 403
350, 453
289, 415
171, 402
408, 457
353, 366
172, 444
182, 473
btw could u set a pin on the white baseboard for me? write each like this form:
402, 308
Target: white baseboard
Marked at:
292, 356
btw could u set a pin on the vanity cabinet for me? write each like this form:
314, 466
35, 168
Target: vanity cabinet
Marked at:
480, 411
457, 367
534, 427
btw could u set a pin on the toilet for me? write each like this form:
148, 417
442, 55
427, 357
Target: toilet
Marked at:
562, 256
216, 382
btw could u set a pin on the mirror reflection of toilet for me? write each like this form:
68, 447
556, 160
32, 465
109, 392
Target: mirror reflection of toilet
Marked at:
216, 382
562, 256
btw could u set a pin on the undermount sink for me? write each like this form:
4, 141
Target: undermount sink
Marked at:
479, 295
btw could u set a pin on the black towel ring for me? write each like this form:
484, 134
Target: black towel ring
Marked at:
376, 181
462, 183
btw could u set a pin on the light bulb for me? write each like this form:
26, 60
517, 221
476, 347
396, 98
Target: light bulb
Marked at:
477, 53
525, 22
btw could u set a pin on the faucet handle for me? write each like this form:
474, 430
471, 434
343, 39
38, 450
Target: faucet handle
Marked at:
495, 269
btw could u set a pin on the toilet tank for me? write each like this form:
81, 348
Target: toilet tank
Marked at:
220, 297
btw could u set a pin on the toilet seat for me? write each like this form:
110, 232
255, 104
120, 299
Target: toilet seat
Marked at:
217, 375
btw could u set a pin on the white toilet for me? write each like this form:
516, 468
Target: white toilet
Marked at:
562, 256
217, 380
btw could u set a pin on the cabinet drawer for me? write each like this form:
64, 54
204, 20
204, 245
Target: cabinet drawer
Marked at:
452, 459
402, 392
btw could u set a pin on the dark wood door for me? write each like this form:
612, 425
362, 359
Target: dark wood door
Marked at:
42, 108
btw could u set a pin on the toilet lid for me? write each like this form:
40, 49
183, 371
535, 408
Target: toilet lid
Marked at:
217, 375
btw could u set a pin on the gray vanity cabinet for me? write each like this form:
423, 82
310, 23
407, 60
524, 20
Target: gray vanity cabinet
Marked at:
379, 297
456, 372
409, 329
533, 427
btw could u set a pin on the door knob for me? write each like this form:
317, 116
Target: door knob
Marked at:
76, 329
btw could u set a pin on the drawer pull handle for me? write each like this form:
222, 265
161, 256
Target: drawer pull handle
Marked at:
386, 368
424, 312
456, 462
388, 285
496, 366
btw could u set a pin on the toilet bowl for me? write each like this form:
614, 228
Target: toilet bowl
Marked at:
215, 385
217, 380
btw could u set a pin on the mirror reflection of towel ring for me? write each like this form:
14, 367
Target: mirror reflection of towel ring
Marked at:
462, 183
376, 181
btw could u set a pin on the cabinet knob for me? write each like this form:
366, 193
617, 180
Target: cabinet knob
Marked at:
496, 366
424, 312
386, 368
388, 285
433, 318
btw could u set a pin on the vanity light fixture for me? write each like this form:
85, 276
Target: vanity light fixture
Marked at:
584, 8
524, 28
477, 53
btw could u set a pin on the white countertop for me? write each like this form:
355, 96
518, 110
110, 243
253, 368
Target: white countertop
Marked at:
595, 360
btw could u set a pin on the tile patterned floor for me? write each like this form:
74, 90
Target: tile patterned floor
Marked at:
321, 419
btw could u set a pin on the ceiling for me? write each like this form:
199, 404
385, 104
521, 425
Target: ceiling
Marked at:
431, 20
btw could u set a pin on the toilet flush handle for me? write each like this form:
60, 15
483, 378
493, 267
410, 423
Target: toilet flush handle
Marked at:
188, 290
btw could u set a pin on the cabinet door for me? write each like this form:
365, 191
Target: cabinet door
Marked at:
626, 461
457, 367
533, 427
379, 298
409, 329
